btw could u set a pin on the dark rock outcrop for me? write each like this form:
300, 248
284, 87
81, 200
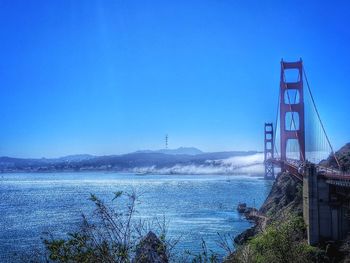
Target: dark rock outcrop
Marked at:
284, 198
150, 250
245, 235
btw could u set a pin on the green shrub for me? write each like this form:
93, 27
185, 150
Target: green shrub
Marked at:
281, 242
108, 236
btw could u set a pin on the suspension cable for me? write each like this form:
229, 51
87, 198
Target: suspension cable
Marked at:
319, 118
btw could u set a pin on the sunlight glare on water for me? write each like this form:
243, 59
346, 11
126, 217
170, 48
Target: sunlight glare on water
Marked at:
196, 206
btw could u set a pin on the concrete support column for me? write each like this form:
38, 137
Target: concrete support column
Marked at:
324, 209
335, 223
310, 204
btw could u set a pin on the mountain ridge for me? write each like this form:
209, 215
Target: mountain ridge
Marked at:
180, 150
123, 162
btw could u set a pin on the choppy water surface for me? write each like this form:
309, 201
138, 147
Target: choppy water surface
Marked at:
196, 206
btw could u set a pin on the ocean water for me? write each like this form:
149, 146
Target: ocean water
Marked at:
195, 206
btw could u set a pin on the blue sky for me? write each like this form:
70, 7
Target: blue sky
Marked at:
109, 77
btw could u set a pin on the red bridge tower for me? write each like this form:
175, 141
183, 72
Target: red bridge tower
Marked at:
269, 151
292, 124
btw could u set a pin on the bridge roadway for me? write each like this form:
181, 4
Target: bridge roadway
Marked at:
295, 167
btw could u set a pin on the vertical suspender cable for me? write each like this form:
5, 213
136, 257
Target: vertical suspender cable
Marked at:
276, 122
319, 118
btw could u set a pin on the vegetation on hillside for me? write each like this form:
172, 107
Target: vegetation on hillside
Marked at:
281, 241
343, 156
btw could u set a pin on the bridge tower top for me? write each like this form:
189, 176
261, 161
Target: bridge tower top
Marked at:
292, 116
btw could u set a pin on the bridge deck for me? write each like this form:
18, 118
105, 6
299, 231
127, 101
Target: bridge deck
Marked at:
293, 166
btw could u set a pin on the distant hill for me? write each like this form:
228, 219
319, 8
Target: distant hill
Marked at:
76, 158
125, 162
181, 150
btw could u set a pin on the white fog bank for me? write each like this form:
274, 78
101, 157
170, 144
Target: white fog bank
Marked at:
251, 164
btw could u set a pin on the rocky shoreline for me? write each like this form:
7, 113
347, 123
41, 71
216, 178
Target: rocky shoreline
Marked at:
284, 198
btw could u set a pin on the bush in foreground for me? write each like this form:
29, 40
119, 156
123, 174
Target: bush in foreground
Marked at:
109, 236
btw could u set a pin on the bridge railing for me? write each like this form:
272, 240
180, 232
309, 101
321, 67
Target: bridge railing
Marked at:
292, 162
326, 171
333, 173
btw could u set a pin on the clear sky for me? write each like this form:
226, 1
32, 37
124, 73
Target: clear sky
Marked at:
109, 77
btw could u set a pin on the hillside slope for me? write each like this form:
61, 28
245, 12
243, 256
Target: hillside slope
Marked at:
343, 156
285, 200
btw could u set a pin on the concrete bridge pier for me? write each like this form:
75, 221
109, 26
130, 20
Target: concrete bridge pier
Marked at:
324, 216
310, 206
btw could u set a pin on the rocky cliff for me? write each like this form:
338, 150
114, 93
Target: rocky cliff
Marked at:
284, 199
343, 156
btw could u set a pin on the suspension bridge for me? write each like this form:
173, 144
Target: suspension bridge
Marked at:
297, 143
